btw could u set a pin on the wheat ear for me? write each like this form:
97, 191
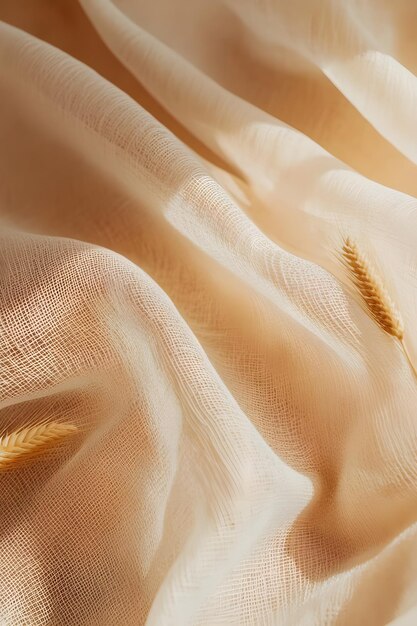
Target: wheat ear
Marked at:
374, 294
27, 443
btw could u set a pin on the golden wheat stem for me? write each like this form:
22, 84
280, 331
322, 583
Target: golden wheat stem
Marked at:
32, 441
374, 295
409, 359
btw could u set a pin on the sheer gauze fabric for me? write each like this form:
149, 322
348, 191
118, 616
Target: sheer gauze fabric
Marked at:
176, 181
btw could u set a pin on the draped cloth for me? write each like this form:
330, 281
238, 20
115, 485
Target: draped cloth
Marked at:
176, 180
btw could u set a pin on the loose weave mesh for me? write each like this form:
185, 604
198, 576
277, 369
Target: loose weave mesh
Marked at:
176, 179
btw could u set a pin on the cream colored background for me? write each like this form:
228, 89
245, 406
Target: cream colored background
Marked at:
175, 178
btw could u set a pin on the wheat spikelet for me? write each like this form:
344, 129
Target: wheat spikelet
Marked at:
374, 294
27, 443
372, 290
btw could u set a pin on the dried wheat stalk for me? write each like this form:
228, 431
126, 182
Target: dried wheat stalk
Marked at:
374, 294
27, 443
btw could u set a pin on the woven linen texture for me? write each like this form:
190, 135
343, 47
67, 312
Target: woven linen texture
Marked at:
177, 179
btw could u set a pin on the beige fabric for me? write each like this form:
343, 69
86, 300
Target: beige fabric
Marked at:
175, 180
